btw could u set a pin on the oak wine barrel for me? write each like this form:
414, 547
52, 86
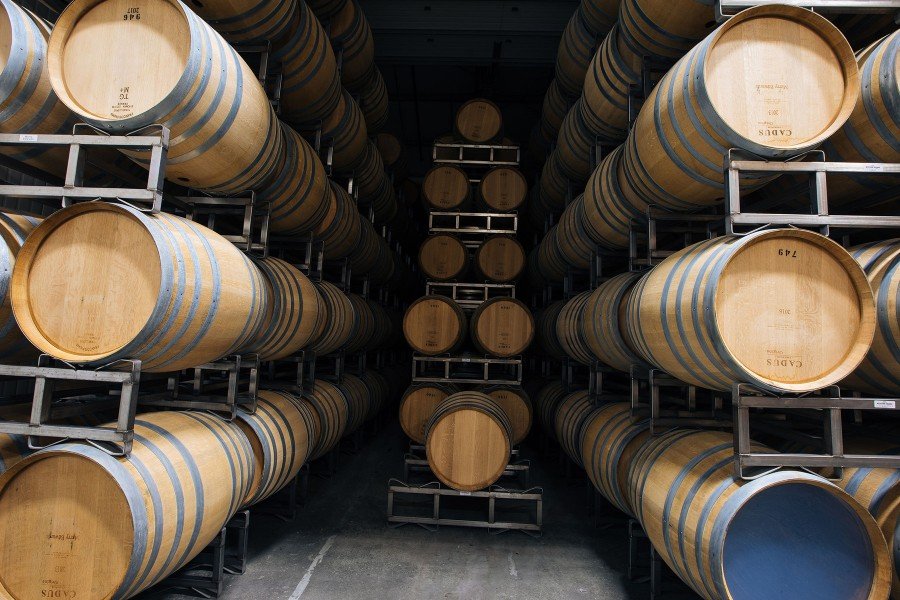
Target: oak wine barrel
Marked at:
434, 325
600, 15
549, 260
333, 411
282, 433
80, 523
569, 418
345, 132
553, 186
603, 322
664, 31
607, 213
224, 135
607, 87
243, 21
311, 86
573, 147
391, 149
610, 437
502, 327
326, 8
357, 394
373, 102
418, 404
545, 403
576, 48
351, 35
500, 258
575, 244
546, 329
98, 282
446, 187
14, 229
443, 257
872, 133
372, 255
758, 298
787, 534
341, 228
479, 121
570, 329
554, 109
676, 149
878, 490
468, 441
517, 406
879, 372
28, 103
379, 391
340, 320
13, 448
503, 189
299, 194
363, 325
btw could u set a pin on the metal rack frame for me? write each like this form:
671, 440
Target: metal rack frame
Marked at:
728, 8
829, 403
520, 469
492, 495
494, 370
475, 155
456, 290
472, 223
116, 441
647, 399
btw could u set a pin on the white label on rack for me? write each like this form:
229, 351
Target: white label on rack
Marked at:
467, 360
874, 167
465, 493
27, 137
885, 404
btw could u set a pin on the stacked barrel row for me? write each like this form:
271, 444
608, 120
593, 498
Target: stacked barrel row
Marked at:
708, 316
589, 24
186, 476
469, 430
681, 487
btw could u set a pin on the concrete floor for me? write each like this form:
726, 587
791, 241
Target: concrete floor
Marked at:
340, 547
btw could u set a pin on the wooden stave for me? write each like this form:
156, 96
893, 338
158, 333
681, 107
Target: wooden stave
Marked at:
295, 311
491, 346
549, 261
472, 133
448, 246
340, 319
499, 271
575, 245
879, 372
235, 314
333, 411
608, 213
480, 403
24, 73
363, 332
872, 133
341, 229
441, 197
554, 186
654, 494
568, 420
379, 392
573, 147
554, 109
610, 438
220, 161
282, 433
350, 33
720, 370
603, 323
505, 196
570, 329
687, 174
311, 86
269, 20
184, 441
299, 194
392, 153
600, 15
440, 349
517, 405
326, 8
576, 48
414, 424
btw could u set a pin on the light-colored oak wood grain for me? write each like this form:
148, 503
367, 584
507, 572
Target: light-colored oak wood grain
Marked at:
479, 121
502, 327
417, 406
434, 325
443, 257
503, 189
446, 188
500, 258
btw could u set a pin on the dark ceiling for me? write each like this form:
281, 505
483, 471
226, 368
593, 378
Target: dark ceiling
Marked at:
436, 54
